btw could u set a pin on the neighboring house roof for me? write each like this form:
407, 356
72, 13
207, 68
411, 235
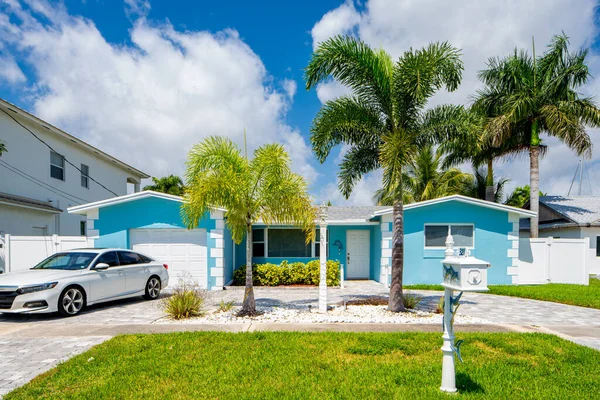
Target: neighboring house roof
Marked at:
37, 121
352, 213
82, 209
26, 202
567, 212
463, 199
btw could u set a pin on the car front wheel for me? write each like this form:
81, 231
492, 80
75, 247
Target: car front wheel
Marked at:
71, 301
152, 289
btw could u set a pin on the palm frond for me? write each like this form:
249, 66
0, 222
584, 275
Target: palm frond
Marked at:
355, 164
347, 120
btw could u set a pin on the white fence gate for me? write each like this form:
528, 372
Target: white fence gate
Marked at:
551, 260
23, 252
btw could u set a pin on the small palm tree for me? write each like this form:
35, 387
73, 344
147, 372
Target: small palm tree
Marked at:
480, 184
426, 178
262, 189
383, 120
520, 196
528, 95
171, 184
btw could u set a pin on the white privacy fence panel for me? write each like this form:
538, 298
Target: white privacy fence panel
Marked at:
549, 260
23, 252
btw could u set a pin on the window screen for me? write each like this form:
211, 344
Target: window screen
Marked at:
597, 246
57, 166
462, 235
435, 235
258, 242
288, 243
85, 172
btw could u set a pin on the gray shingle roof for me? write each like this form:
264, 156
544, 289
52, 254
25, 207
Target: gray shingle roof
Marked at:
27, 202
342, 213
579, 209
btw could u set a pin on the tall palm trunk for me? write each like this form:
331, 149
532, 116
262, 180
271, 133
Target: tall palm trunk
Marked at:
396, 302
534, 178
489, 184
249, 304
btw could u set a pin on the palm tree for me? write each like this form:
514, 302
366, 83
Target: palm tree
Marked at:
529, 95
171, 184
480, 184
261, 189
520, 196
426, 178
382, 120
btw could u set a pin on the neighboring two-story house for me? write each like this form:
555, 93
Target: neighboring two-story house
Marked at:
46, 170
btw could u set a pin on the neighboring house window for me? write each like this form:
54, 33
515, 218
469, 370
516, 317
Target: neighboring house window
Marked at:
258, 242
57, 166
288, 243
435, 235
82, 228
85, 176
597, 246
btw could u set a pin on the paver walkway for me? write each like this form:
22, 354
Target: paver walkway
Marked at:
32, 344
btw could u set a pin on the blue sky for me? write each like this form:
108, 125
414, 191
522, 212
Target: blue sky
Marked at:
153, 77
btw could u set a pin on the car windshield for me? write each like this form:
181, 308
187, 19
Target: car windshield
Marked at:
68, 261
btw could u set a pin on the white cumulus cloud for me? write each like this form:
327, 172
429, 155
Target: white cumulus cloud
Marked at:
149, 101
482, 29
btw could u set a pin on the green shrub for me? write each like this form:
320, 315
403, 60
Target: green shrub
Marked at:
411, 300
225, 306
185, 303
296, 273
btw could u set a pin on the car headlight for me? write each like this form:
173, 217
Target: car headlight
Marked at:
36, 288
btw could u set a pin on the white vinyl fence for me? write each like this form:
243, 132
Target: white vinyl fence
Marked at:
23, 252
551, 260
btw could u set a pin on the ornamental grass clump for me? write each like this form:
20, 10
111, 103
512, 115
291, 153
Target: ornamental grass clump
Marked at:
411, 300
187, 301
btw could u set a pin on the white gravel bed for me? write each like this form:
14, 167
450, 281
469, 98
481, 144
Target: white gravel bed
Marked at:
353, 314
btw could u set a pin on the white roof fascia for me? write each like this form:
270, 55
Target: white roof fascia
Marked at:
82, 209
464, 199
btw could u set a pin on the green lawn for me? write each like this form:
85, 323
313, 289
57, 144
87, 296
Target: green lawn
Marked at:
284, 365
577, 295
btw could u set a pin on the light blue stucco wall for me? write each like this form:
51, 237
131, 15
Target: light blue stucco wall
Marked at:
115, 221
490, 240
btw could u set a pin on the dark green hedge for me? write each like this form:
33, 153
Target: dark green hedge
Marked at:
288, 274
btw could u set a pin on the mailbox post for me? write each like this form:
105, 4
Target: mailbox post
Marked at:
465, 274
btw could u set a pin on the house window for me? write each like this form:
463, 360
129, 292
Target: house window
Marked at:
85, 176
317, 243
82, 228
288, 243
258, 242
597, 246
57, 166
435, 235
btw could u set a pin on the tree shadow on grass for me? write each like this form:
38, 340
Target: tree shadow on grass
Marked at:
465, 384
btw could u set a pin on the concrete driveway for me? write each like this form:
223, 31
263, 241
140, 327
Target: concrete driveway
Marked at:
32, 344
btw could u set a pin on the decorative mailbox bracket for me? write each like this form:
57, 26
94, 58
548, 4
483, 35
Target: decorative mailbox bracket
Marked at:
465, 274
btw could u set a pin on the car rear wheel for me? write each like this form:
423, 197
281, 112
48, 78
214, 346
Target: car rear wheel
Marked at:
71, 301
152, 288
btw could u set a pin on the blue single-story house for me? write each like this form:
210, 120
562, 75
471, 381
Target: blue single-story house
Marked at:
358, 237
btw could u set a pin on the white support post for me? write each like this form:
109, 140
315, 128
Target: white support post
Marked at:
448, 370
342, 276
323, 260
7, 266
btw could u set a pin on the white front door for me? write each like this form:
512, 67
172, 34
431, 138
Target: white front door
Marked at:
357, 254
184, 251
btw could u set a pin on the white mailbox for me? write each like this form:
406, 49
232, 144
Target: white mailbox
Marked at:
465, 274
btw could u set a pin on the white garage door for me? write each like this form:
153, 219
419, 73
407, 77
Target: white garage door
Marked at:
184, 251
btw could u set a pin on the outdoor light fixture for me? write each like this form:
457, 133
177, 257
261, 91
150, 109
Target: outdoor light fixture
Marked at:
465, 274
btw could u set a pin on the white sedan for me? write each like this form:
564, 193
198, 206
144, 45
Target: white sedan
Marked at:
68, 281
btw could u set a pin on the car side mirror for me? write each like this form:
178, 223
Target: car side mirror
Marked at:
101, 266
